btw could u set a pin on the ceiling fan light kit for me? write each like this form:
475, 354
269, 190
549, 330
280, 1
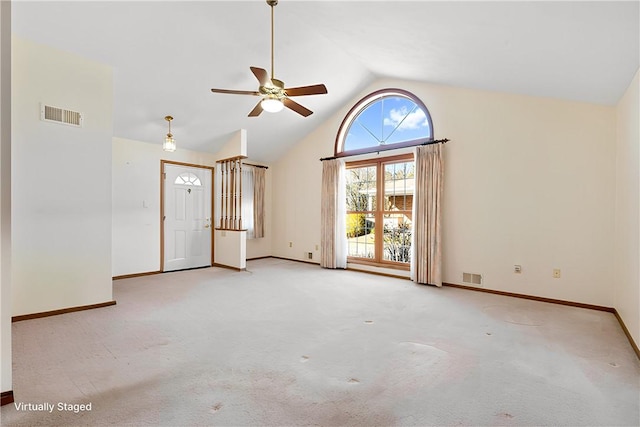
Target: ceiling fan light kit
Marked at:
271, 105
274, 95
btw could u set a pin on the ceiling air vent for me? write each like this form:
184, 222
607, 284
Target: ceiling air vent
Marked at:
49, 113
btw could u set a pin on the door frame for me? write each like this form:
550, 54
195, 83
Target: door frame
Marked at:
162, 216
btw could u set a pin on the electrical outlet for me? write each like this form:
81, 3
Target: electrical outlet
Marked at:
517, 268
310, 255
556, 273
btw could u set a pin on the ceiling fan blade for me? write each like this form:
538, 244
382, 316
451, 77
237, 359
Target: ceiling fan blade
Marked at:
307, 90
256, 110
292, 105
236, 92
262, 75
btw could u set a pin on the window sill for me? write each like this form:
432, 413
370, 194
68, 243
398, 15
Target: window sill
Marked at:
389, 265
382, 271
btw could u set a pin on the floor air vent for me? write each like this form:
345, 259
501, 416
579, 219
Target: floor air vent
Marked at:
49, 113
474, 279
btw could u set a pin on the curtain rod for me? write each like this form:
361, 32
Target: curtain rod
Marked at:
437, 141
257, 166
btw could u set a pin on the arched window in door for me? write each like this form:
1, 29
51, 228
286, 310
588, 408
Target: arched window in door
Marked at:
188, 178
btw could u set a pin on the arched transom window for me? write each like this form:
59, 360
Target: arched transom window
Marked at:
383, 120
188, 178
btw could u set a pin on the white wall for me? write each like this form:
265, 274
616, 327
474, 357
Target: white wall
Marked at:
527, 181
296, 194
231, 248
5, 197
627, 232
61, 181
136, 202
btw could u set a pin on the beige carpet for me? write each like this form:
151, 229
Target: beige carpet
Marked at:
288, 343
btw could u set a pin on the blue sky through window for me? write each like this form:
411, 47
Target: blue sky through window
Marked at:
388, 120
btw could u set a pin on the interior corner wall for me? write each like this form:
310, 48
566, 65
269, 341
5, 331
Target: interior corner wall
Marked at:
528, 181
61, 181
6, 377
627, 232
296, 183
136, 202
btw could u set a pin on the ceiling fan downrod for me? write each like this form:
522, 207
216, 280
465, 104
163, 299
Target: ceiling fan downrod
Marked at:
272, 3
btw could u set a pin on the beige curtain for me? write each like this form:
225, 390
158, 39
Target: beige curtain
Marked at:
333, 236
426, 259
258, 201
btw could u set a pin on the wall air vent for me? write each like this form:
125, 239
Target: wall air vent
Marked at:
474, 279
49, 113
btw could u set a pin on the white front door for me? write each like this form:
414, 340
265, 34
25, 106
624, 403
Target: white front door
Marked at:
187, 217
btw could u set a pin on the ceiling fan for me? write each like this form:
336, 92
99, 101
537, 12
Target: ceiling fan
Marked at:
274, 95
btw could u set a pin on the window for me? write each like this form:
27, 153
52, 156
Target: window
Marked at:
380, 191
379, 201
384, 120
240, 197
188, 178
248, 197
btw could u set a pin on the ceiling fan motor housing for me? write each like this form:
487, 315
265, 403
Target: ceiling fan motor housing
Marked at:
274, 90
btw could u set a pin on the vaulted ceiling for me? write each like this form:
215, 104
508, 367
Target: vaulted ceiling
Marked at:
167, 55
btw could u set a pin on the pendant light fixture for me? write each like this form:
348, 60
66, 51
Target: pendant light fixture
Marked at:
169, 143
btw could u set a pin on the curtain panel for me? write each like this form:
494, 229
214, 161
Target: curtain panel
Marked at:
248, 196
333, 238
258, 201
253, 187
426, 256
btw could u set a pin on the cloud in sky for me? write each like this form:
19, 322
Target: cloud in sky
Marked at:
415, 120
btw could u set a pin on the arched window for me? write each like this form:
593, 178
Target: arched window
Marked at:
188, 178
379, 190
384, 120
